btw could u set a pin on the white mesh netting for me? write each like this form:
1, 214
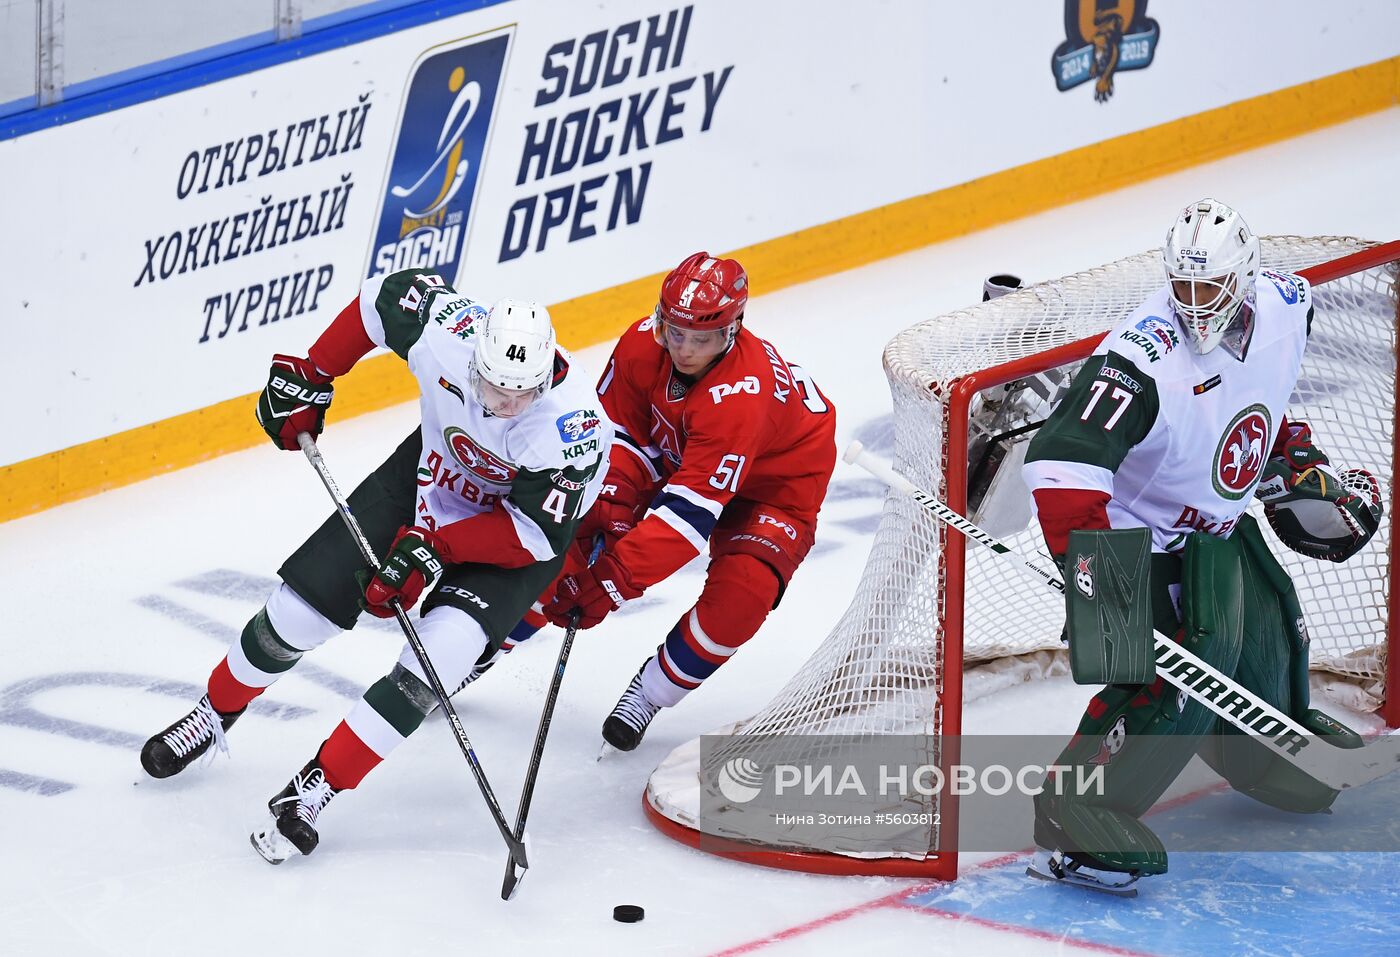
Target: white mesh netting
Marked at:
879, 670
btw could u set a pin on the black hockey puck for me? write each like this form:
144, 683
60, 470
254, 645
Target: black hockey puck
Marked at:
628, 913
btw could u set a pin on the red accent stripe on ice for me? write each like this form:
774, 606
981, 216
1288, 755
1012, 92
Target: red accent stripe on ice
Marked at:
833, 918
901, 898
1020, 929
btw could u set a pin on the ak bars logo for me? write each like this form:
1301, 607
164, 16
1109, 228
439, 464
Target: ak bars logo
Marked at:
439, 147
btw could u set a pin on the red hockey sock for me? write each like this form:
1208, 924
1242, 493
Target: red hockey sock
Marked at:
346, 759
226, 693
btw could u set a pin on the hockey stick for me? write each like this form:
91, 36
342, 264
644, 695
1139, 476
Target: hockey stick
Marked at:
313, 455
1335, 767
527, 791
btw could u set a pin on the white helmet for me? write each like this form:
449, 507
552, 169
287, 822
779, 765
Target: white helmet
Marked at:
1211, 259
514, 361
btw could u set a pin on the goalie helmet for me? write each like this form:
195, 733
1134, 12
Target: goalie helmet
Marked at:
1211, 258
1332, 528
514, 362
704, 294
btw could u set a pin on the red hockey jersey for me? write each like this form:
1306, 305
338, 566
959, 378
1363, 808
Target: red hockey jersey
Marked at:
754, 428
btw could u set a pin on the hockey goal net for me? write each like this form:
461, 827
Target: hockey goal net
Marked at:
933, 623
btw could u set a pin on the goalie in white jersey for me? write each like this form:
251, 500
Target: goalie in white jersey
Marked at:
475, 509
1141, 477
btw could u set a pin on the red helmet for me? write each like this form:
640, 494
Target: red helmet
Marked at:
704, 293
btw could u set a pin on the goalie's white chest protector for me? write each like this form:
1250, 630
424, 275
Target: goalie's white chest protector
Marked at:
1200, 461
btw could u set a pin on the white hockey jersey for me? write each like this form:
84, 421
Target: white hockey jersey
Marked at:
1176, 440
543, 468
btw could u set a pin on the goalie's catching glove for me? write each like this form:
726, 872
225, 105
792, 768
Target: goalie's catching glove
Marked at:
1315, 510
413, 561
295, 400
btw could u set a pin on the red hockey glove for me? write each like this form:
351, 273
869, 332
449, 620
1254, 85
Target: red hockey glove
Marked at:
1298, 449
295, 400
412, 562
611, 517
594, 592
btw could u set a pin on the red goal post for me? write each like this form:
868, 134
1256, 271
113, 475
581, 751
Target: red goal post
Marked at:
962, 383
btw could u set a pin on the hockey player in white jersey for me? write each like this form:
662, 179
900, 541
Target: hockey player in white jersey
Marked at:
474, 509
1141, 477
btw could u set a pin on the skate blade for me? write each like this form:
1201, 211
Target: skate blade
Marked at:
606, 750
270, 844
1072, 880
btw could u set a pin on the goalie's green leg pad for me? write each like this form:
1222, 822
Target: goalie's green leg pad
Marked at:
1101, 837
1268, 778
1108, 605
1139, 737
1274, 665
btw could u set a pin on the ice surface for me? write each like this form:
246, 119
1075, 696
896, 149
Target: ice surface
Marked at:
118, 606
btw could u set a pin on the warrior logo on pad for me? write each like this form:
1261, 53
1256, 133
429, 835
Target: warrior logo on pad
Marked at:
1240, 456
477, 460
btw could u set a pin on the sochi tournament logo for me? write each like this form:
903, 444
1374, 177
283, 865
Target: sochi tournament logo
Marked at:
1239, 458
1103, 37
436, 161
477, 460
577, 426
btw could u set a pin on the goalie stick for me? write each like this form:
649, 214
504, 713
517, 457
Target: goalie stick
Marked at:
1335, 767
516, 844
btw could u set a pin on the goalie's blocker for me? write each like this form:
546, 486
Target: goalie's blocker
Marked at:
1108, 577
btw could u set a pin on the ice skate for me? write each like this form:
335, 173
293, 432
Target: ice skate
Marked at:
1060, 868
628, 722
290, 827
174, 749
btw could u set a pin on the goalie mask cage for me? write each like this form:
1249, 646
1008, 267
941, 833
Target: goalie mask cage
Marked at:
926, 608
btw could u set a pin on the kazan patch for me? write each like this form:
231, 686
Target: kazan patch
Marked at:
1240, 455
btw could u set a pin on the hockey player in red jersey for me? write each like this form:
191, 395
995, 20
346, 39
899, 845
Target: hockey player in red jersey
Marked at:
720, 441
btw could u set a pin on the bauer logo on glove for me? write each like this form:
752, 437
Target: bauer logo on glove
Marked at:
411, 565
295, 400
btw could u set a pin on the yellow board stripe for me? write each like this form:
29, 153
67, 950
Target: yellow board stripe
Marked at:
48, 480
